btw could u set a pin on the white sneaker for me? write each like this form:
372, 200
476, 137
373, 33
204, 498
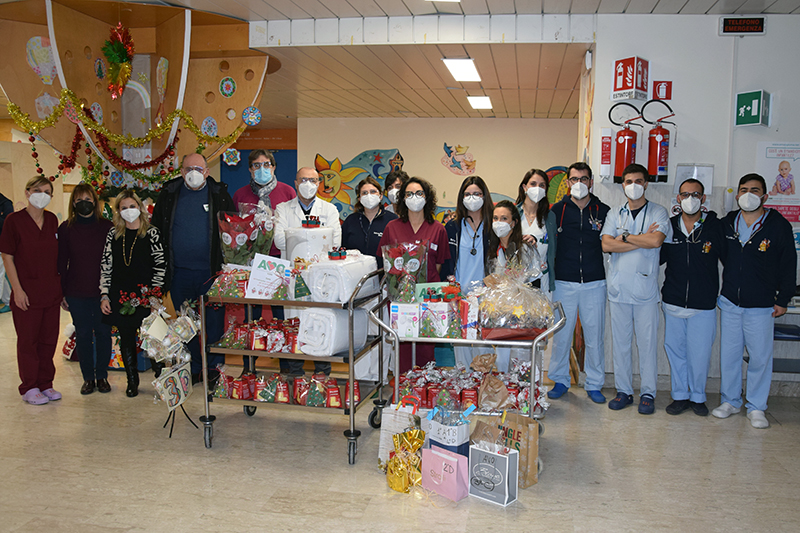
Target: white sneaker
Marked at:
725, 410
758, 419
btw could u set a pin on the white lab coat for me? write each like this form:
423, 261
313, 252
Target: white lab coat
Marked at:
633, 276
290, 215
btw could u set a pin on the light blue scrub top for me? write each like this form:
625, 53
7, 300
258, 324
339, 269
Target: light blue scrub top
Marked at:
633, 276
469, 268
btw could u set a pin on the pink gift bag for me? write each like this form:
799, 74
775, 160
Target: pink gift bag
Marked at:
445, 473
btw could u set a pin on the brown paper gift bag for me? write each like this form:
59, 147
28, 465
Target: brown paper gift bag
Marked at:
493, 394
522, 434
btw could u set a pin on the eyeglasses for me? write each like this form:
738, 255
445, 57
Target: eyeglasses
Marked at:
266, 164
309, 180
418, 194
686, 195
582, 179
198, 169
473, 194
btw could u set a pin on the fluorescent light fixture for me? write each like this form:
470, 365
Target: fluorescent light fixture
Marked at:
480, 102
462, 69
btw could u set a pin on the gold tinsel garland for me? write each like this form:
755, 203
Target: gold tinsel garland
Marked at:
24, 121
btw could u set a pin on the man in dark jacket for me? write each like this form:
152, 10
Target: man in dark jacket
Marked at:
757, 283
186, 213
6, 208
580, 282
689, 297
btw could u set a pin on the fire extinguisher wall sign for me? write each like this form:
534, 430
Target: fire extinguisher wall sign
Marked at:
630, 79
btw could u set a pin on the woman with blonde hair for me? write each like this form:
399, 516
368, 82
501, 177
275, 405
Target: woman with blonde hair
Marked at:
81, 239
30, 254
134, 260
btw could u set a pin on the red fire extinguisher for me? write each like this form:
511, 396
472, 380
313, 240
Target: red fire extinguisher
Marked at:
658, 145
625, 141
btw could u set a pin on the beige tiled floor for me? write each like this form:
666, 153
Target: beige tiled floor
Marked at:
104, 463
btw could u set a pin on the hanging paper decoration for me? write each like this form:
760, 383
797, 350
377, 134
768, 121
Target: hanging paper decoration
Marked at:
231, 156
162, 69
97, 112
209, 127
100, 68
231, 114
116, 178
45, 104
227, 87
40, 58
71, 112
119, 51
251, 115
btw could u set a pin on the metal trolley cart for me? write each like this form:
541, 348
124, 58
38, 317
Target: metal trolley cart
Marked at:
536, 346
350, 357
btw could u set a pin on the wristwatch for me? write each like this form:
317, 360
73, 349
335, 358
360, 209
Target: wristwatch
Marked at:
625, 236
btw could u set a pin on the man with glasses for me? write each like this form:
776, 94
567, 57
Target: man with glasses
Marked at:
580, 283
291, 215
633, 235
689, 297
186, 215
758, 280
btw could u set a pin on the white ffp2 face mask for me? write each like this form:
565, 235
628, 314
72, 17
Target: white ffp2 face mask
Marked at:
579, 190
370, 201
415, 203
130, 214
392, 196
194, 179
535, 194
690, 205
501, 229
473, 203
748, 201
39, 199
634, 191
308, 190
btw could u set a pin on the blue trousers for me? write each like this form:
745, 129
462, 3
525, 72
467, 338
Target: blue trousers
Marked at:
588, 299
643, 319
190, 285
752, 328
92, 337
688, 342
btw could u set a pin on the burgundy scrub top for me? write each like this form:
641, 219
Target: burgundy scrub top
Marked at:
398, 231
35, 254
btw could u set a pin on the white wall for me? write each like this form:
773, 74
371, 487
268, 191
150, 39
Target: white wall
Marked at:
706, 71
504, 148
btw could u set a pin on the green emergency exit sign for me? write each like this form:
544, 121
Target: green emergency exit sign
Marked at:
752, 108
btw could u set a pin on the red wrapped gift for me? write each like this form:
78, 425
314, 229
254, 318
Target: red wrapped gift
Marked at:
333, 397
282, 392
454, 394
433, 391
241, 390
300, 390
513, 393
421, 392
256, 339
356, 393
261, 384
469, 397
251, 383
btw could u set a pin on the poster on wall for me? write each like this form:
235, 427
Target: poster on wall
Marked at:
775, 162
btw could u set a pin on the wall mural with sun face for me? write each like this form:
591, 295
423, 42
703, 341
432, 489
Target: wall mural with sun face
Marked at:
338, 181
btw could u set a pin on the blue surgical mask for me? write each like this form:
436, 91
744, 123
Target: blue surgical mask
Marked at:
262, 176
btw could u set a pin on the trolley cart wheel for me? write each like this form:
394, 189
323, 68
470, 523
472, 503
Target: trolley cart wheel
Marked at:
375, 418
541, 428
539, 466
351, 452
250, 410
208, 434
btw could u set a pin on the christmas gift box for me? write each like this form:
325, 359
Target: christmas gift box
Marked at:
404, 319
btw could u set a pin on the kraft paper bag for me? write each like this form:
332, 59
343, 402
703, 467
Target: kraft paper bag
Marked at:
445, 473
520, 433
